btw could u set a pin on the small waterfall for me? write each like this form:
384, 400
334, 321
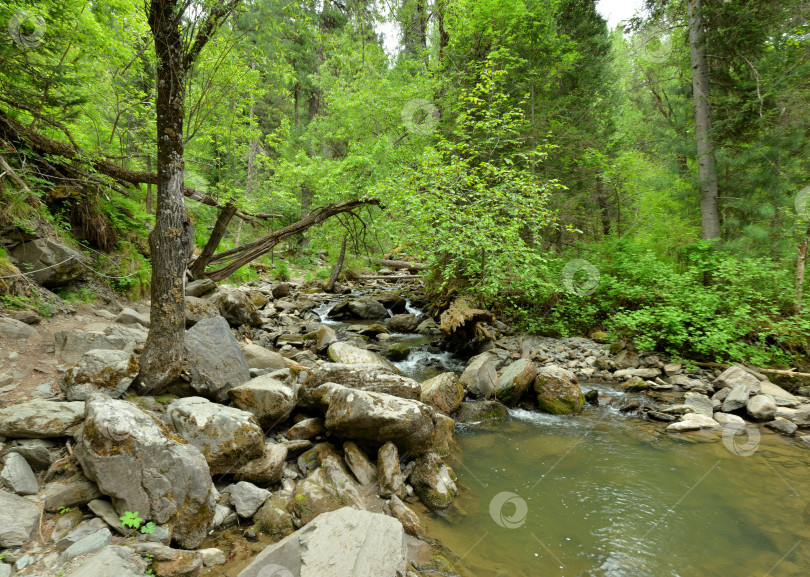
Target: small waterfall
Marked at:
412, 309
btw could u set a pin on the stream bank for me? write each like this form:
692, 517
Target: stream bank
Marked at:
300, 461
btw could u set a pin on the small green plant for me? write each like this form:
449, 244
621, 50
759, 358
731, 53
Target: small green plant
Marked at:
282, 271
64, 510
134, 522
149, 528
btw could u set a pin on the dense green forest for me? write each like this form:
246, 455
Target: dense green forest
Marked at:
650, 181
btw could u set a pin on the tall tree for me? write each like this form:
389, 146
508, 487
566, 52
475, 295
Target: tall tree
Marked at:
179, 39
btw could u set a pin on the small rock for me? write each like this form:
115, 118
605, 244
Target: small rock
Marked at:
18, 476
15, 330
693, 422
132, 317
89, 544
781, 425
212, 556
389, 474
761, 408
246, 498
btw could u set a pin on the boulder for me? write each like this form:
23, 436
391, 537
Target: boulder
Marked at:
475, 412
198, 309
627, 360
216, 364
641, 373
359, 463
781, 425
443, 392
481, 375
15, 330
168, 562
734, 376
306, 429
693, 422
88, 544
350, 355
267, 469
433, 481
761, 408
18, 476
280, 290
365, 377
18, 518
51, 264
557, 391
72, 344
273, 517
337, 544
389, 473
39, 453
246, 498
736, 398
141, 466
514, 381
75, 491
407, 323
324, 337
700, 404
200, 287
28, 317
802, 416
227, 437
410, 520
111, 560
258, 357
108, 372
780, 396
368, 308
328, 488
729, 421
268, 399
443, 438
237, 308
373, 419
132, 317
40, 419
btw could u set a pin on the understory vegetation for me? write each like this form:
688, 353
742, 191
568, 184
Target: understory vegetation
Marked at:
648, 181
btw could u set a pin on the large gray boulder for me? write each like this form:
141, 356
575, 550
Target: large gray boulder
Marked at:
100, 371
368, 308
238, 309
359, 464
337, 544
215, 362
481, 376
365, 377
18, 518
15, 330
227, 437
258, 357
373, 419
266, 469
481, 412
136, 462
761, 408
734, 376
198, 309
51, 264
70, 345
736, 398
269, 400
112, 560
41, 419
18, 476
328, 487
433, 481
514, 381
350, 355
558, 391
443, 392
407, 323
700, 404
75, 491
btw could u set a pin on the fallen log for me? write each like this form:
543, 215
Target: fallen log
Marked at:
780, 372
465, 327
391, 277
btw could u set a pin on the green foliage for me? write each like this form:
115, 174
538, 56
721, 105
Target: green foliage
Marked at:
131, 520
64, 510
282, 271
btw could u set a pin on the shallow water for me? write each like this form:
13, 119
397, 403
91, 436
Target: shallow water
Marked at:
607, 495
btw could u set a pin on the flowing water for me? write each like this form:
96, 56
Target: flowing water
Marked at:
607, 495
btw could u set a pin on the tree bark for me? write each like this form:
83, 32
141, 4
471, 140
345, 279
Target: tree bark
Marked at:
162, 358
220, 228
330, 285
707, 172
801, 258
149, 185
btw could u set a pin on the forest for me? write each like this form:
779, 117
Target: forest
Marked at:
649, 182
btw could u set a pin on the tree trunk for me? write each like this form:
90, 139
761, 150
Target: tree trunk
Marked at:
330, 285
800, 262
162, 358
707, 173
220, 227
306, 204
149, 185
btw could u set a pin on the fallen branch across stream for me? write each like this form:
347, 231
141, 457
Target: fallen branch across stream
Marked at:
780, 372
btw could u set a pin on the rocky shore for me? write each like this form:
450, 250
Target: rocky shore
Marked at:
295, 427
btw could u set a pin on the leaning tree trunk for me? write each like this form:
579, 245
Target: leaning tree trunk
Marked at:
162, 359
220, 228
707, 172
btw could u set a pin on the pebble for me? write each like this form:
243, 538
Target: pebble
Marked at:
13, 356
